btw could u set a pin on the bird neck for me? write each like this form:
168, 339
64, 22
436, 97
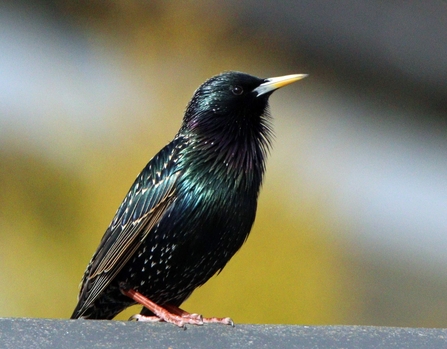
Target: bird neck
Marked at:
235, 158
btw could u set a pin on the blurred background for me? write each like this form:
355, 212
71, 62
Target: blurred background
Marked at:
352, 219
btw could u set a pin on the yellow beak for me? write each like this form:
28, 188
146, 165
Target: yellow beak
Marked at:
272, 84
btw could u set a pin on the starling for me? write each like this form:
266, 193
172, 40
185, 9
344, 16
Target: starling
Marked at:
189, 210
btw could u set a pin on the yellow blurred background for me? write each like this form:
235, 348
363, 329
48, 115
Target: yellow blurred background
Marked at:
95, 89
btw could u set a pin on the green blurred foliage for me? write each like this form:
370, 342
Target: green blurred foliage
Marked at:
42, 205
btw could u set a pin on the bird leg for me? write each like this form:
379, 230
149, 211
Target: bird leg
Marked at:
160, 312
169, 313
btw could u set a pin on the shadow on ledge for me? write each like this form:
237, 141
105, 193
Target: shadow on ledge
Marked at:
43, 333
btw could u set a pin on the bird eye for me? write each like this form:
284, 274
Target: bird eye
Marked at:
237, 90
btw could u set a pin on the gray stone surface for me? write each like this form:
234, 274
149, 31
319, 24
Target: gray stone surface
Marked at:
43, 333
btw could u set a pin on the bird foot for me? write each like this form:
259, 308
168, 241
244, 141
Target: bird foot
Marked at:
190, 319
194, 319
169, 313
160, 312
204, 320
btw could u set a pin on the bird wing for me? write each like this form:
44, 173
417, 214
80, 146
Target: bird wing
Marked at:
147, 200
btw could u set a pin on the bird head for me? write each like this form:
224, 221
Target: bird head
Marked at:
228, 125
232, 99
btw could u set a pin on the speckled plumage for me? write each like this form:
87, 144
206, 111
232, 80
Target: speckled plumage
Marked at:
192, 206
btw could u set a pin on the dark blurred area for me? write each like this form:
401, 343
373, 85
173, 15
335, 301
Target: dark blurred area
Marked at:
352, 219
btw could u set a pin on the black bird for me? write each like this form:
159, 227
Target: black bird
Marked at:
189, 210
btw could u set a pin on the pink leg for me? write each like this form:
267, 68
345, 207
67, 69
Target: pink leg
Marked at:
159, 312
170, 313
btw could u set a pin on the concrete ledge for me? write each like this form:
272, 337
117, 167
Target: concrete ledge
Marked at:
43, 333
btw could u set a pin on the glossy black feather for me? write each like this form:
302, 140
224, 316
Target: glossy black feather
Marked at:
192, 206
